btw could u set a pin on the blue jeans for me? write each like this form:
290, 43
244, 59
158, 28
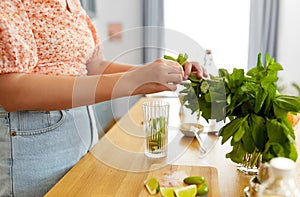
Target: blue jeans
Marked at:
37, 148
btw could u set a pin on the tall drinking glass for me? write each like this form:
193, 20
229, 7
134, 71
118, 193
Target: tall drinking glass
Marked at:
156, 118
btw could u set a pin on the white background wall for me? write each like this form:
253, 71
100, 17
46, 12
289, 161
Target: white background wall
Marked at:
289, 43
213, 27
129, 14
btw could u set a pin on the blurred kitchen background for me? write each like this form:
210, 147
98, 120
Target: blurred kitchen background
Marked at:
234, 30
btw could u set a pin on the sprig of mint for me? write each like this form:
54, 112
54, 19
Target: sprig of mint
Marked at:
199, 94
157, 128
181, 59
258, 113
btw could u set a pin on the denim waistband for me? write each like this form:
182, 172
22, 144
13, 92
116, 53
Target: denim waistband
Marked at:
3, 113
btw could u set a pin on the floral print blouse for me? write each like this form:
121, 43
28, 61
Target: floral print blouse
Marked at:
43, 36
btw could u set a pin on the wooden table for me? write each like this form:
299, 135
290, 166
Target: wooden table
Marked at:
117, 166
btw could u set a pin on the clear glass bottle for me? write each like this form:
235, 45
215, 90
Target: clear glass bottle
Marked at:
209, 63
281, 182
208, 59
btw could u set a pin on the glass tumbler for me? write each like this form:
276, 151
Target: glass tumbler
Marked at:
156, 118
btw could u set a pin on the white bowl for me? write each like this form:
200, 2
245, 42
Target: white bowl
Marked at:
188, 129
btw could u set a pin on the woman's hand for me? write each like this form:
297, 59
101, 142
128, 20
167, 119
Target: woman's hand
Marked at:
160, 75
195, 68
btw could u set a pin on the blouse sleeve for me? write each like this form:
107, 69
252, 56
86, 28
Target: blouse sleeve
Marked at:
18, 51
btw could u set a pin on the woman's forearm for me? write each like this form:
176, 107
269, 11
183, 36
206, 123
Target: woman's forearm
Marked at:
42, 92
19, 91
106, 67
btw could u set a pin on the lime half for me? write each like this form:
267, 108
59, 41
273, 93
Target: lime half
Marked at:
152, 185
188, 191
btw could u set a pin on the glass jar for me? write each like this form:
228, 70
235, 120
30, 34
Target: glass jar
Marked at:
250, 164
281, 182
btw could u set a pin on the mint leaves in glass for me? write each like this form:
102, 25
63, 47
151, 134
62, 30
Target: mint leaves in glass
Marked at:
156, 118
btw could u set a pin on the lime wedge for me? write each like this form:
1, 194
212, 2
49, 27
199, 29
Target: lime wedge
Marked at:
194, 180
152, 185
167, 191
188, 191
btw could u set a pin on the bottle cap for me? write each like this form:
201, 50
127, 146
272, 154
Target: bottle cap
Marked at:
282, 166
208, 51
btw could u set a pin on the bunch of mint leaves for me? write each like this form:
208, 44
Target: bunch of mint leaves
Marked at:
257, 111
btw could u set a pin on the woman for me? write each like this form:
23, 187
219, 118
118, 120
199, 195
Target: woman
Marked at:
51, 68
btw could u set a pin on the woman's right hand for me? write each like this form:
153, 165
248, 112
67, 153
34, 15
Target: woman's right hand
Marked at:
160, 75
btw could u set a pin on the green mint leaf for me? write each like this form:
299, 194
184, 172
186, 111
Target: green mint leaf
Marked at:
293, 154
288, 103
268, 59
248, 142
253, 72
194, 78
275, 66
181, 59
204, 87
230, 129
167, 57
277, 149
239, 134
261, 95
259, 132
237, 153
259, 63
275, 132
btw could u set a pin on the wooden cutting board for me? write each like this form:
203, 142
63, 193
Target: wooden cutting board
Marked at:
173, 175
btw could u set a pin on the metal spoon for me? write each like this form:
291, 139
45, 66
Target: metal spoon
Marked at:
195, 131
216, 133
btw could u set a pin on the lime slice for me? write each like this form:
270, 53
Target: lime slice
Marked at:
152, 185
188, 191
167, 191
194, 180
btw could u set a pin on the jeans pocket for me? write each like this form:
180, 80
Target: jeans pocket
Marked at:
45, 146
37, 122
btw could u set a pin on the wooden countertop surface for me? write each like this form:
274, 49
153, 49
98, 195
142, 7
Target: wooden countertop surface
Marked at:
117, 166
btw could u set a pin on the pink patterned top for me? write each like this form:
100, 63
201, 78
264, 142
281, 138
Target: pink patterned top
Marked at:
42, 36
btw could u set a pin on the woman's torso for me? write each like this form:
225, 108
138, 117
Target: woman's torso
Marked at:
43, 36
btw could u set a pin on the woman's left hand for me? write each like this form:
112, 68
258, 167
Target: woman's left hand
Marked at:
195, 68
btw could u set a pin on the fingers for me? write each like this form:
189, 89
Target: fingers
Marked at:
195, 68
174, 72
163, 74
174, 79
159, 75
204, 72
199, 70
172, 67
168, 71
187, 70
